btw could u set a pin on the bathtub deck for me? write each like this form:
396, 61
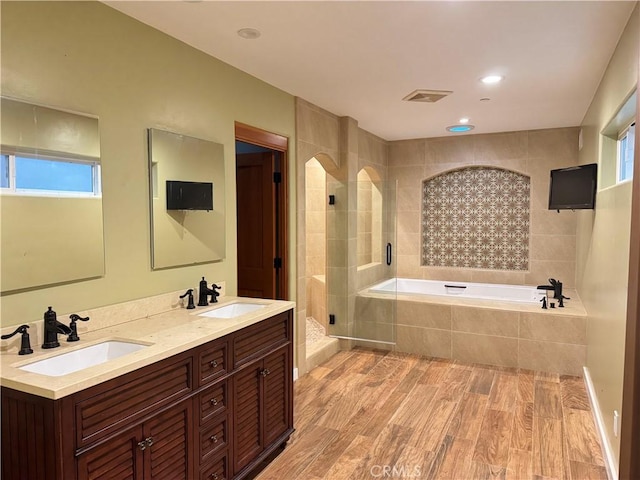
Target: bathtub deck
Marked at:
363, 410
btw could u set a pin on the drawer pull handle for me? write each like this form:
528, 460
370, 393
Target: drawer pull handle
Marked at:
214, 476
149, 441
214, 439
265, 372
214, 401
142, 445
213, 364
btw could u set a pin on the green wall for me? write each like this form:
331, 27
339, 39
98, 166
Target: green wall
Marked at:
87, 57
602, 237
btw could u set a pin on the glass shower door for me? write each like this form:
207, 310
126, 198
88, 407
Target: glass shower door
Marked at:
361, 239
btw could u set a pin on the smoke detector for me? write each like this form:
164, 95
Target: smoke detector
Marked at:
427, 96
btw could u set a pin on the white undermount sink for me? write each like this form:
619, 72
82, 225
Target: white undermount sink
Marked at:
82, 358
233, 310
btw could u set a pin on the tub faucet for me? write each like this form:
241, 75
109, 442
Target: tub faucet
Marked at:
52, 327
557, 288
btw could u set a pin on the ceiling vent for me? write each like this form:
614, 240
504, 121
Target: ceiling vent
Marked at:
427, 96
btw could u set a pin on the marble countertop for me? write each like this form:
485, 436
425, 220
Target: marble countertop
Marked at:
165, 334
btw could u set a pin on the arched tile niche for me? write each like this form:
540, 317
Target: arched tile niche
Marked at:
476, 217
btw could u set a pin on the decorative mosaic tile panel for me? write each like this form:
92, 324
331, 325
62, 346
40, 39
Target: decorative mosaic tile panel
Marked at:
476, 217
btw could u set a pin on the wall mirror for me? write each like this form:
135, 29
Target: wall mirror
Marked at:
50, 197
187, 201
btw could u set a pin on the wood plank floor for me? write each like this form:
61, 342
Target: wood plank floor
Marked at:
370, 414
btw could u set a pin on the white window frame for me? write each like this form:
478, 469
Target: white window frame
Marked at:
12, 190
619, 155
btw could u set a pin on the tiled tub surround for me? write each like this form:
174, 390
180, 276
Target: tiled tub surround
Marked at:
476, 217
482, 331
162, 322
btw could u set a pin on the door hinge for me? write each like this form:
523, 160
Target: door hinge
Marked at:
277, 262
277, 177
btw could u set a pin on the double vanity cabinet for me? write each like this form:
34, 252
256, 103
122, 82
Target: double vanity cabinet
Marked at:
212, 412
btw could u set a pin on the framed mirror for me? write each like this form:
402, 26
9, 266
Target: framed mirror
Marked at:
187, 190
50, 196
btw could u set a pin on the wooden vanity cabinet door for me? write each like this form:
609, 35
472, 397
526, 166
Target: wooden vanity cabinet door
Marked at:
247, 438
158, 449
262, 413
278, 416
118, 458
168, 455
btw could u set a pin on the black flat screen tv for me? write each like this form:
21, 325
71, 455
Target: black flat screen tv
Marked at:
573, 188
189, 195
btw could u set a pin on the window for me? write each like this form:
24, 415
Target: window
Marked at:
617, 141
626, 143
49, 176
4, 171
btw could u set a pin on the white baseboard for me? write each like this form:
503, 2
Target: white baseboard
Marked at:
609, 458
295, 374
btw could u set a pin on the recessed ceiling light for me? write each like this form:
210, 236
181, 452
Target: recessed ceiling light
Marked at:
249, 33
460, 128
491, 79
464, 120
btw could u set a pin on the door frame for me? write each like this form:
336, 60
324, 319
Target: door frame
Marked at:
263, 138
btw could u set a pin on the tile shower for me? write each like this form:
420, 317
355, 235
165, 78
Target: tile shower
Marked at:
318, 344
530, 242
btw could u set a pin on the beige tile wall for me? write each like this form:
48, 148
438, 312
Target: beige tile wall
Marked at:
365, 218
316, 212
550, 341
533, 153
318, 135
316, 240
317, 299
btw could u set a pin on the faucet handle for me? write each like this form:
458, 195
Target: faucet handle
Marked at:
190, 304
73, 336
25, 344
214, 293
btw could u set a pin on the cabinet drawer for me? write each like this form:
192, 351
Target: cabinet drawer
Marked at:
115, 404
213, 438
258, 339
213, 400
212, 362
216, 470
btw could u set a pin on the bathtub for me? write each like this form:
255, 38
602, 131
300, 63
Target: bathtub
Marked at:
486, 291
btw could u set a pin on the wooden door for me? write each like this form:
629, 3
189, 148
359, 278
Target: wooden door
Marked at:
256, 203
118, 458
169, 453
276, 395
